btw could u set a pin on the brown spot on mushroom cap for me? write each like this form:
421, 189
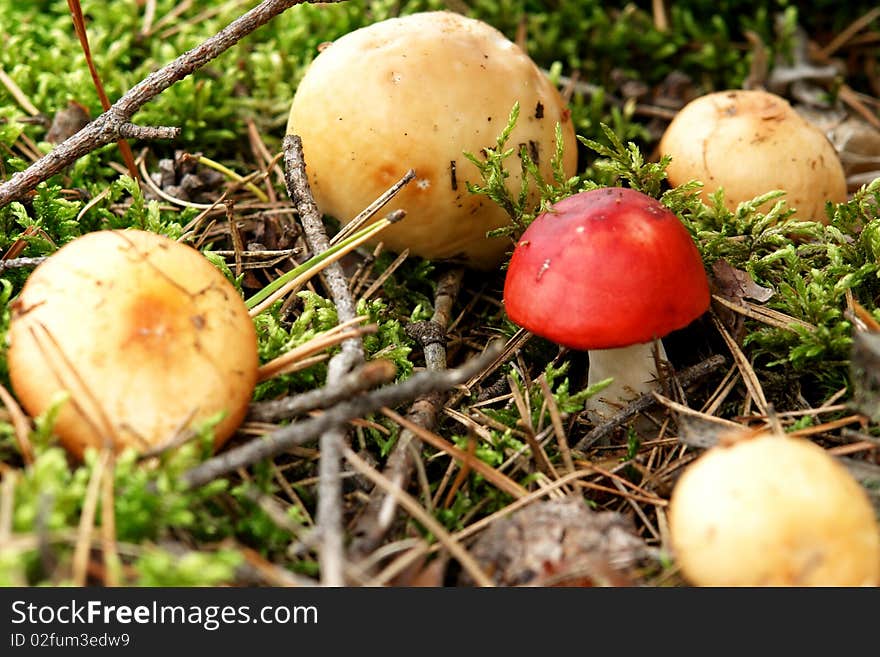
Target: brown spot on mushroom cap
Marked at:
151, 322
124, 322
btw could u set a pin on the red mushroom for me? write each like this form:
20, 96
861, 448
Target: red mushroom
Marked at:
609, 271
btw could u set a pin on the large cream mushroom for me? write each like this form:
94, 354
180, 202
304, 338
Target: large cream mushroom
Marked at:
773, 511
142, 333
751, 142
416, 92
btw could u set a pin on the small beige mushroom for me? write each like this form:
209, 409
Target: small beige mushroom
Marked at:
143, 334
773, 511
416, 92
750, 142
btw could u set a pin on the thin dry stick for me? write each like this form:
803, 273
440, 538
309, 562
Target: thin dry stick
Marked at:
299, 433
364, 216
468, 563
112, 565
753, 385
16, 263
365, 377
296, 282
766, 315
731, 378
556, 421
643, 402
20, 424
282, 363
385, 275
661, 23
828, 426
79, 24
362, 274
81, 395
463, 472
275, 511
80, 559
639, 512
384, 553
16, 92
149, 16
115, 123
851, 98
170, 17
610, 474
493, 476
271, 573
852, 448
848, 33
514, 344
722, 424
478, 526
538, 454
329, 515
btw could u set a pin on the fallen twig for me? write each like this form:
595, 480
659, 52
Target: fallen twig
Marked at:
492, 475
87, 520
365, 377
299, 433
17, 263
115, 123
644, 402
329, 515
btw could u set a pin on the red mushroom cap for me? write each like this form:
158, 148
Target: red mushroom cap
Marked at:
606, 268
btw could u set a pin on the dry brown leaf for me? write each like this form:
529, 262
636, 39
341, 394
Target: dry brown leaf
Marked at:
736, 284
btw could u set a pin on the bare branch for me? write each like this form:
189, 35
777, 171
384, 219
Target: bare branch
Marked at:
332, 442
352, 354
133, 131
111, 125
17, 263
363, 378
299, 433
316, 236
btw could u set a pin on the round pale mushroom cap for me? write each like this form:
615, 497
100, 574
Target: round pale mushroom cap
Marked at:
751, 142
416, 92
605, 268
773, 511
144, 334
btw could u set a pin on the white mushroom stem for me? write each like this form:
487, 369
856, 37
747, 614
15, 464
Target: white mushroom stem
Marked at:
634, 372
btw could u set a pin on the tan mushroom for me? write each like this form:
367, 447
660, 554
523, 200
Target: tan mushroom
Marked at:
142, 333
750, 142
415, 92
773, 511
